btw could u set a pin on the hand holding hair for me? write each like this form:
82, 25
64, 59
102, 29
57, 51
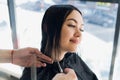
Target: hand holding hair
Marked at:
68, 74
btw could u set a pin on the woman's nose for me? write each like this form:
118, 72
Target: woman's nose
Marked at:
78, 33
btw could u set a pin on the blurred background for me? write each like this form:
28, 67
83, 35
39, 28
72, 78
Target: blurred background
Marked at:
99, 34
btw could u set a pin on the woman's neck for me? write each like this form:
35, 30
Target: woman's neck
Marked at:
61, 56
58, 56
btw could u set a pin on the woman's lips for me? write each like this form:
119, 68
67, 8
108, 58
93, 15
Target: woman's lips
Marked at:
76, 41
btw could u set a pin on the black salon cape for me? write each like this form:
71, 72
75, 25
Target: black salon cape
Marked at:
71, 60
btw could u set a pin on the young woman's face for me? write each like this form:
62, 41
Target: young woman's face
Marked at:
71, 32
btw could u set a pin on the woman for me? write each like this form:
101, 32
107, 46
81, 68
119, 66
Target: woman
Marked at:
62, 28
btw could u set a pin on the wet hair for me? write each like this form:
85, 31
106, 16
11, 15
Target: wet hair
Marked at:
52, 22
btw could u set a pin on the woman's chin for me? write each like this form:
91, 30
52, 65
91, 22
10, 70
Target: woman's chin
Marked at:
73, 51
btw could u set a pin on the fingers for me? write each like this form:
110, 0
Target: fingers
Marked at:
71, 73
41, 59
67, 70
44, 58
60, 76
40, 64
68, 75
40, 56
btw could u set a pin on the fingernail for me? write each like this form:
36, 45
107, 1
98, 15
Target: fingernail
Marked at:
51, 61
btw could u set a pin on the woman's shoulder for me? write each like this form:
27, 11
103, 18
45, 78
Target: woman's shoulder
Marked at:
72, 56
81, 68
75, 59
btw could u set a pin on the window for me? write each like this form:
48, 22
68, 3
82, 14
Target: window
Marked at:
98, 38
28, 26
5, 31
116, 70
100, 20
5, 40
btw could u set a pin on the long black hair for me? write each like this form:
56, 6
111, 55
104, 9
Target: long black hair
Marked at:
52, 22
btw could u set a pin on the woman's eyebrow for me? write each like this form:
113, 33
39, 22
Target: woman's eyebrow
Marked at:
72, 20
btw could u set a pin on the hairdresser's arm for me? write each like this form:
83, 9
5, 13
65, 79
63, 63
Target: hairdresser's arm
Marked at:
68, 75
24, 57
5, 56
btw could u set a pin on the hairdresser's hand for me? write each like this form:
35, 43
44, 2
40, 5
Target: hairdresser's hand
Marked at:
68, 75
26, 57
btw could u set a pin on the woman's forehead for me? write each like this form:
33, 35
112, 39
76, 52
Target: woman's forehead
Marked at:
75, 16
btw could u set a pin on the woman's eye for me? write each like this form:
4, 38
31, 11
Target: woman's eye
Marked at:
70, 25
81, 29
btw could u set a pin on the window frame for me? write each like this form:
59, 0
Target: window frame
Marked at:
116, 36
